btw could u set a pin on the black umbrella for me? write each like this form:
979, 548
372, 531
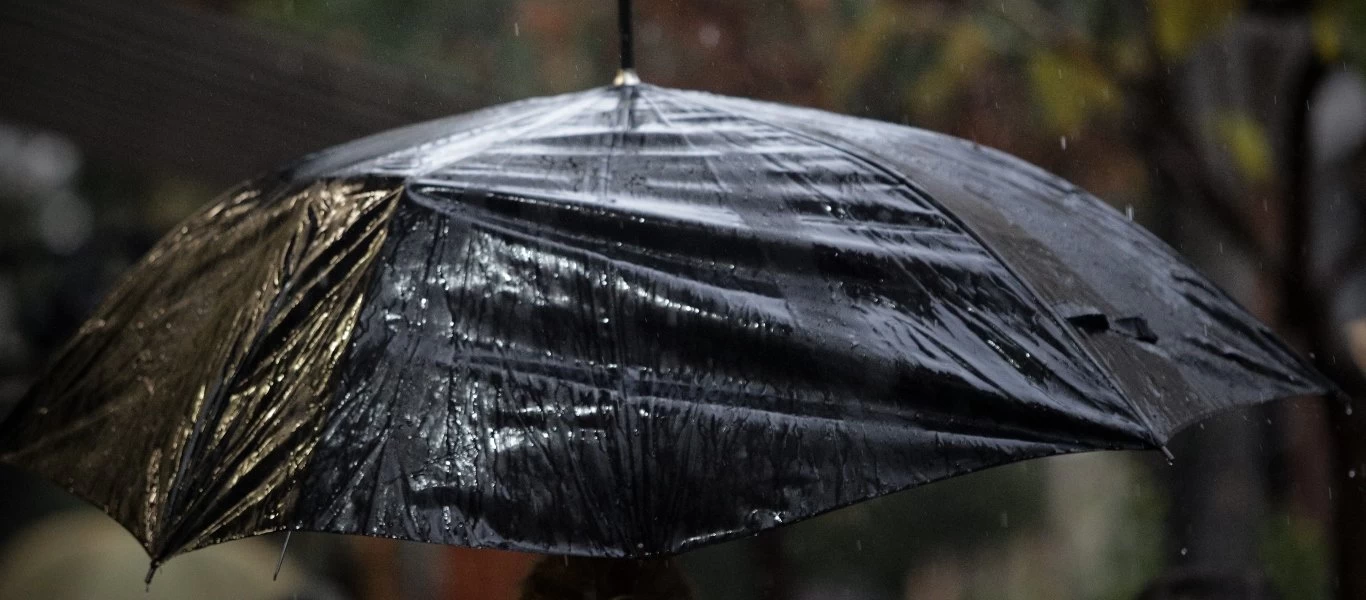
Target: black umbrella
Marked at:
625, 322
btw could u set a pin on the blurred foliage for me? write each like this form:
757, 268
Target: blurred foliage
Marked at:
1085, 526
1071, 91
1338, 29
1178, 25
1130, 565
1294, 550
1247, 144
876, 540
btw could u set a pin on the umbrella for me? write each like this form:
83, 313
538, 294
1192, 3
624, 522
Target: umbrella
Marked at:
625, 322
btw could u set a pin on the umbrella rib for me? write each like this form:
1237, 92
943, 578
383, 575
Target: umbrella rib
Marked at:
873, 160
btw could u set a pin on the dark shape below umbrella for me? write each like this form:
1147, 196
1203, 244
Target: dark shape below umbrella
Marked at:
625, 322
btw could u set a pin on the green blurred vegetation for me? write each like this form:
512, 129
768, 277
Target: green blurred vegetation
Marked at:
1084, 527
1295, 552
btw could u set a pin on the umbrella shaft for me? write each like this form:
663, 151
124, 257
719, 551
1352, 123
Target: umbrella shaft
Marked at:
628, 59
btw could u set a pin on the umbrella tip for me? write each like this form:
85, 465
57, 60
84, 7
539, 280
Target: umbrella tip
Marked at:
281, 562
626, 77
151, 572
1171, 458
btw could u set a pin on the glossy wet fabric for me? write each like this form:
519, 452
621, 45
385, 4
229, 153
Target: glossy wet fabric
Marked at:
625, 322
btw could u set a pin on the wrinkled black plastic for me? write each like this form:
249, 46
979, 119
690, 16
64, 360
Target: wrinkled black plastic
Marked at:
626, 322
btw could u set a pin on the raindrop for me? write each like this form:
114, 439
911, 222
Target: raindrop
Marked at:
709, 35
764, 519
1351, 473
516, 30
64, 223
1349, 410
1062, 141
1183, 551
1129, 211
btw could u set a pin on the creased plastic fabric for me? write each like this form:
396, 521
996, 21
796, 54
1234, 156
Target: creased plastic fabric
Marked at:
625, 322
186, 407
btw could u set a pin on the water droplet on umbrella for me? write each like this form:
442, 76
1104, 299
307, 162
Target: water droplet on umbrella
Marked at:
763, 518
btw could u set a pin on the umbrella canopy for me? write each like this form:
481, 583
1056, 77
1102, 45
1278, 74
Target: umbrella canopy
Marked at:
625, 322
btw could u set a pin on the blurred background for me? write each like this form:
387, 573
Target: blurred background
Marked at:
1234, 129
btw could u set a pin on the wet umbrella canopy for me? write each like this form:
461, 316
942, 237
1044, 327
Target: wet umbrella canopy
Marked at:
625, 322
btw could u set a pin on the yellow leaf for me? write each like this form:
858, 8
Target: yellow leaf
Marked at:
1179, 24
1247, 144
1070, 89
965, 49
1325, 28
863, 46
